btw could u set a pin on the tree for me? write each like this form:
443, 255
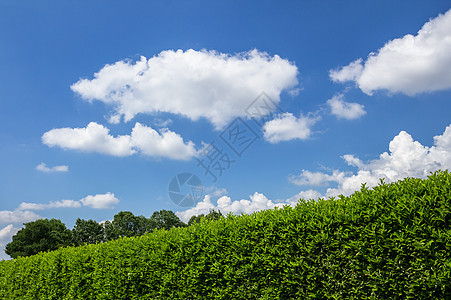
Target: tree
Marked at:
165, 219
195, 219
125, 223
87, 232
212, 215
38, 236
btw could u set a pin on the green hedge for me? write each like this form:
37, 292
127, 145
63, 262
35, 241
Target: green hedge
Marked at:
392, 242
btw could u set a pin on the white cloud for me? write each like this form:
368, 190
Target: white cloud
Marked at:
215, 191
287, 127
406, 158
315, 178
164, 144
96, 138
92, 138
190, 83
6, 234
17, 216
256, 202
306, 195
24, 214
219, 192
43, 168
52, 204
345, 110
162, 123
412, 64
347, 73
100, 201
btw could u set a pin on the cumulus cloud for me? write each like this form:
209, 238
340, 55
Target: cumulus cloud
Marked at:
17, 216
347, 73
405, 158
307, 195
164, 144
92, 138
225, 204
143, 139
345, 110
412, 64
194, 84
43, 168
286, 127
7, 233
100, 201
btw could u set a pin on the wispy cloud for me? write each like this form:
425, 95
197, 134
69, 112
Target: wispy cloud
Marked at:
53, 204
43, 168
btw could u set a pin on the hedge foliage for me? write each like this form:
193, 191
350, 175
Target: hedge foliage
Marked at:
391, 242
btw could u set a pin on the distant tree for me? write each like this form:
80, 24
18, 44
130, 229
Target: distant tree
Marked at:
212, 215
38, 236
195, 219
165, 219
124, 224
87, 232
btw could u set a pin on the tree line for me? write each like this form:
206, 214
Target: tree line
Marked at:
46, 235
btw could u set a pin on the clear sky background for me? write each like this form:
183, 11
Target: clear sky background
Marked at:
104, 102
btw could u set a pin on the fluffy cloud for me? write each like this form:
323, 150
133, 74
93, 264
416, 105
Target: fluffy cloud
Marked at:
100, 201
256, 202
43, 168
164, 144
307, 195
52, 204
92, 138
191, 83
17, 216
412, 64
345, 110
347, 73
406, 158
7, 233
143, 139
287, 127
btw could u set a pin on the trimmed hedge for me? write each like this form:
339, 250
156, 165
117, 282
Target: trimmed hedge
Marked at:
392, 242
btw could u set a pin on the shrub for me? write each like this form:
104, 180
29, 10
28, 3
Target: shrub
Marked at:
392, 242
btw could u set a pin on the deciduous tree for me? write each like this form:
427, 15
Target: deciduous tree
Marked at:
38, 236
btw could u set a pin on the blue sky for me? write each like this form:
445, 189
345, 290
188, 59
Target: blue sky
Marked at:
103, 103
